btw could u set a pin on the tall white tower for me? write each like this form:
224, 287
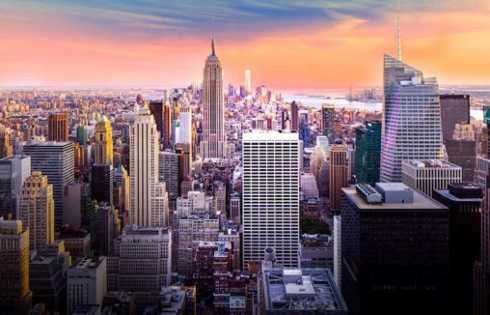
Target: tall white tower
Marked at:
147, 208
248, 81
270, 211
213, 144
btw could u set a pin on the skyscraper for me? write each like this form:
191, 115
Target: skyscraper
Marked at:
55, 160
102, 183
338, 173
58, 126
412, 118
36, 210
15, 293
464, 202
214, 139
248, 81
13, 172
157, 109
143, 169
395, 250
270, 200
294, 117
455, 109
328, 122
169, 172
103, 142
185, 128
368, 152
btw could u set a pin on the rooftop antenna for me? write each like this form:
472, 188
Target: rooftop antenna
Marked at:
398, 36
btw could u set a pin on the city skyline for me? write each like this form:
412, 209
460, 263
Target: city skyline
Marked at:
56, 43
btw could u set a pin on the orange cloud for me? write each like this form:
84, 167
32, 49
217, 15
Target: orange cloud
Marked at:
452, 46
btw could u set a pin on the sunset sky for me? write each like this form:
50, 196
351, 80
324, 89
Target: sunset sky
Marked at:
288, 44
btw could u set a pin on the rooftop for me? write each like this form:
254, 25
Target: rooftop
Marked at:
264, 135
430, 164
420, 201
89, 263
307, 289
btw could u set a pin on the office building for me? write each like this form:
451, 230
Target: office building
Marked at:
157, 110
299, 291
47, 278
58, 127
214, 141
190, 230
86, 283
55, 160
294, 117
185, 160
141, 262
15, 292
36, 210
235, 206
429, 175
106, 224
327, 126
464, 202
6, 148
411, 118
185, 127
103, 148
168, 172
72, 204
270, 185
368, 152
102, 183
338, 173
13, 172
77, 241
394, 250
143, 170
455, 109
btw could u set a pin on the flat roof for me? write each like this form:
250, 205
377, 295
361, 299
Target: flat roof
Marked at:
392, 186
264, 135
420, 201
452, 197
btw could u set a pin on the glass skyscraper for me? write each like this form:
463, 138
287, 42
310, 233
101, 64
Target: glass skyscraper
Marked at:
412, 118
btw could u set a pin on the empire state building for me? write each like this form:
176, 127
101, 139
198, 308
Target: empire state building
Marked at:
214, 143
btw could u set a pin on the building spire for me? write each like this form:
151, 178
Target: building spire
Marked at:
398, 39
212, 47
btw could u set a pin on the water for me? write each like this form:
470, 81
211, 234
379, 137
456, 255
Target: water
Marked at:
339, 102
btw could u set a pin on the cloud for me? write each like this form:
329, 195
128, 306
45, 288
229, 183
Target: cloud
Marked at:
153, 19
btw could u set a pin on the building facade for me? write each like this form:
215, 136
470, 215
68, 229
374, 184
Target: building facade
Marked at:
58, 127
270, 202
55, 160
429, 175
368, 152
411, 118
15, 292
36, 210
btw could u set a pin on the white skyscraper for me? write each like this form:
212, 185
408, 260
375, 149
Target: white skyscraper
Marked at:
146, 204
213, 144
248, 81
185, 127
412, 118
270, 211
